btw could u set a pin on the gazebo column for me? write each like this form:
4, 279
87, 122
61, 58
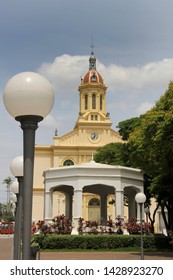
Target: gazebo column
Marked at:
77, 213
68, 209
132, 205
119, 203
48, 205
103, 209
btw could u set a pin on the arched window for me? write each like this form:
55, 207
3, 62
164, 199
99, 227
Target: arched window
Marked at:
94, 202
101, 102
94, 209
94, 101
68, 162
86, 102
93, 78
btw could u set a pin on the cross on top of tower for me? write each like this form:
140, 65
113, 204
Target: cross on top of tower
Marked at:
92, 46
92, 59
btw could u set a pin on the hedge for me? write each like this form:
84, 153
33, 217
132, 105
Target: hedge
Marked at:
54, 241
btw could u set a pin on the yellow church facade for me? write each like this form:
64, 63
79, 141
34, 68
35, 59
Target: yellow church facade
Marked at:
93, 129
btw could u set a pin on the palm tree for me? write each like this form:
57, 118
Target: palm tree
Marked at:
8, 181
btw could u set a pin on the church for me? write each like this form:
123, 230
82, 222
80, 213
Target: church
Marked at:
73, 153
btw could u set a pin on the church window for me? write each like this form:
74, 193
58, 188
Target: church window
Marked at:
86, 101
94, 101
101, 102
94, 202
68, 162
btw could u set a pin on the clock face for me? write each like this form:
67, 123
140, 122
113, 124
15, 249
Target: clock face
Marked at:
94, 136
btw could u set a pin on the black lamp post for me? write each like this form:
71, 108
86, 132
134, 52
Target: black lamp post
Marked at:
16, 168
140, 199
28, 97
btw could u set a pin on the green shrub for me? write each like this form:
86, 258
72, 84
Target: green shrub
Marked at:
162, 241
54, 241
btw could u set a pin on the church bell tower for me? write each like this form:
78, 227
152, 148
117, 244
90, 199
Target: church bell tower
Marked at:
92, 98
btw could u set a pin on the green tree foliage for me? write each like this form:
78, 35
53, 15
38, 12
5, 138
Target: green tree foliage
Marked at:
113, 154
8, 181
5, 213
6, 210
151, 149
128, 126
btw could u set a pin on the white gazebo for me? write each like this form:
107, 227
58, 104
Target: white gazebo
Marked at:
96, 178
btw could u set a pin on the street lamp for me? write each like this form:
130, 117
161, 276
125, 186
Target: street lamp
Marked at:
16, 168
140, 198
14, 202
14, 197
147, 211
28, 97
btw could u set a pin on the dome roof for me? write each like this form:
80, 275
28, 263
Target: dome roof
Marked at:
92, 76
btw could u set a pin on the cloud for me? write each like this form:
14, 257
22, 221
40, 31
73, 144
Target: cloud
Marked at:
152, 75
144, 107
131, 90
65, 72
49, 121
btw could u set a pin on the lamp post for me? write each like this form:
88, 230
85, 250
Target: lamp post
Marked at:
16, 168
15, 190
147, 211
14, 197
140, 198
14, 202
28, 97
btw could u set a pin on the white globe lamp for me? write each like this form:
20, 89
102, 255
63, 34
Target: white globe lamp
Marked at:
28, 97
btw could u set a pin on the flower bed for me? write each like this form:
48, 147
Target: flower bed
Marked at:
94, 227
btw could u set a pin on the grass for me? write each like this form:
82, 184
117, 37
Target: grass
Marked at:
129, 249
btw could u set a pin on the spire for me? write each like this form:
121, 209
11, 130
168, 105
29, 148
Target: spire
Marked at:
92, 59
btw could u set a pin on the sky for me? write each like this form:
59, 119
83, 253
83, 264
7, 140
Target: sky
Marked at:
133, 42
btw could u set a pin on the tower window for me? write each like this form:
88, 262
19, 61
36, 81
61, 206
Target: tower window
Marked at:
94, 101
86, 102
101, 102
94, 118
94, 78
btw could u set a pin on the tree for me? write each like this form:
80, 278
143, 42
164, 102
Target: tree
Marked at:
113, 154
5, 213
8, 181
151, 149
128, 126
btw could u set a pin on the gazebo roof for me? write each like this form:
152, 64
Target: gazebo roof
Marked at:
92, 164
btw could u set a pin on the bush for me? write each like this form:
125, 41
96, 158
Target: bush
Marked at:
95, 227
162, 241
96, 242
135, 228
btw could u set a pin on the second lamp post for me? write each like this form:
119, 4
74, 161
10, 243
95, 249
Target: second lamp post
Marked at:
140, 199
16, 168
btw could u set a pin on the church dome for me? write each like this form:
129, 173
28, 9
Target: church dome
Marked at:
92, 76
